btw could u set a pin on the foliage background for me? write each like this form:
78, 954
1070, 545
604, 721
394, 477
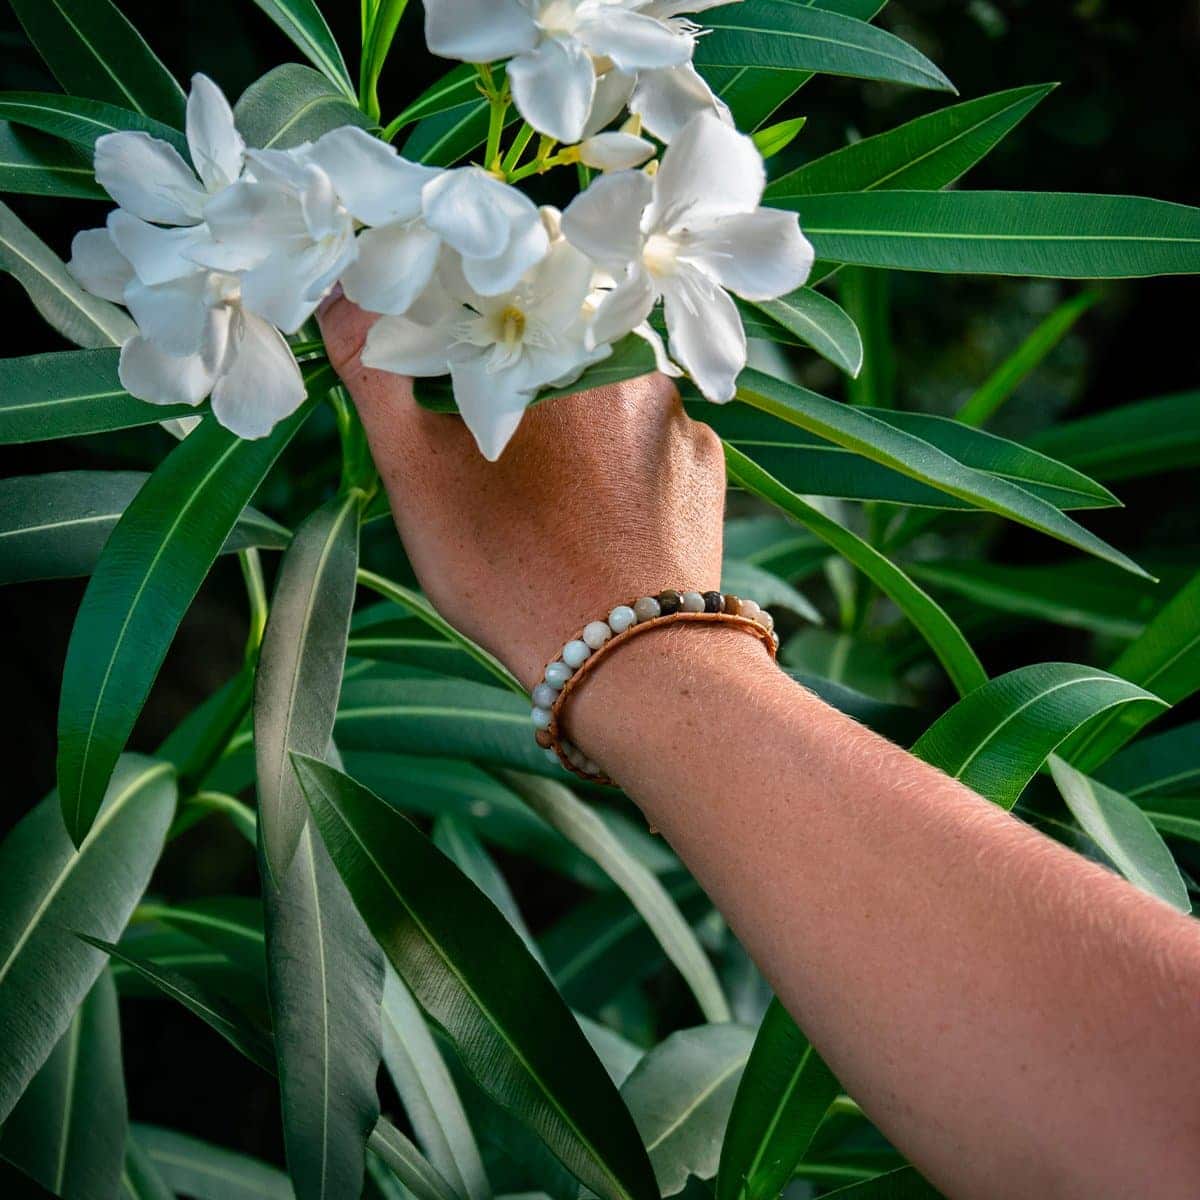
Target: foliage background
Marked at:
1123, 121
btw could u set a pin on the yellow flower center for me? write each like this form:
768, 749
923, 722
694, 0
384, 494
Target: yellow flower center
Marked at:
512, 326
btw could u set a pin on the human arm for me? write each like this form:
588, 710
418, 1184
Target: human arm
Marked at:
1015, 1019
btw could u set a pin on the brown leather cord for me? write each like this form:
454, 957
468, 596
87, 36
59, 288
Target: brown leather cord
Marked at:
580, 672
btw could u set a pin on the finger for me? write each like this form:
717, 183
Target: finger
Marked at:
344, 326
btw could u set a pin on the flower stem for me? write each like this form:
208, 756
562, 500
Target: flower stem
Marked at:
517, 149
256, 594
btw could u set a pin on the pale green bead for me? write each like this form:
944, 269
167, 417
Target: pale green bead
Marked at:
557, 674
621, 618
576, 653
540, 717
544, 695
596, 634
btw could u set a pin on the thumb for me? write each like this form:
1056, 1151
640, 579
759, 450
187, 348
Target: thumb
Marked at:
344, 326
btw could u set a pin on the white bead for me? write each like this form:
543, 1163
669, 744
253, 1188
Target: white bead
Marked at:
621, 618
749, 610
692, 602
557, 674
596, 634
575, 653
551, 756
540, 718
544, 695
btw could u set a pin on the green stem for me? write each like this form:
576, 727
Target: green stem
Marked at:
497, 111
520, 142
256, 594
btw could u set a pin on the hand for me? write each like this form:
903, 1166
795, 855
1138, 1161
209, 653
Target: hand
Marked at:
600, 497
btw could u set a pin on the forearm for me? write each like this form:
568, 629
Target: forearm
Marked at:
1011, 1015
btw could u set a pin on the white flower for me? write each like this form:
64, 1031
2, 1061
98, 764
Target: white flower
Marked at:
615, 151
284, 231
194, 337
498, 350
414, 211
688, 234
557, 46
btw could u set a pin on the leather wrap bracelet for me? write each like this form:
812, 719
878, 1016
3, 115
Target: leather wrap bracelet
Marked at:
582, 653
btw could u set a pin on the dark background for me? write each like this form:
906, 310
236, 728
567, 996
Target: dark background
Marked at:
1125, 120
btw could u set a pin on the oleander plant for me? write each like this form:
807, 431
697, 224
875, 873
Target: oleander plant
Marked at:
590, 190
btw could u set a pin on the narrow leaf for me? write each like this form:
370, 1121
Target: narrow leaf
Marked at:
1156, 766
472, 974
301, 20
783, 1096
151, 568
820, 323
141, 1179
291, 105
33, 164
300, 666
81, 121
48, 888
206, 1172
94, 51
995, 739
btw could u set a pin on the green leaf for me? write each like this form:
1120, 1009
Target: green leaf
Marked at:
290, 105
753, 93
48, 888
901, 1184
397, 643
1123, 832
458, 87
214, 1011
1160, 765
68, 393
926, 154
301, 20
580, 825
300, 667
378, 34
448, 718
1132, 441
680, 1095
863, 433
943, 636
325, 976
745, 579
781, 36
68, 1131
15, 1182
603, 944
472, 974
449, 136
419, 607
81, 318
81, 121
141, 1179
408, 1164
427, 1091
232, 925
55, 526
784, 1094
206, 804
1165, 660
815, 465
151, 568
819, 323
995, 739
206, 1172
94, 51
36, 165
774, 138
988, 398
1052, 234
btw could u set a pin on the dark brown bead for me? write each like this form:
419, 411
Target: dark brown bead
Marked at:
733, 604
543, 739
670, 601
714, 602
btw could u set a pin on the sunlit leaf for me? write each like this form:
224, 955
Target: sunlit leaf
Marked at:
291, 105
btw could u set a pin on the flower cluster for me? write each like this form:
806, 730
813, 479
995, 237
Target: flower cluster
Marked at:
221, 261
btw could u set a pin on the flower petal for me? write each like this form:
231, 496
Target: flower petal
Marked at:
478, 31
708, 171
373, 181
408, 347
99, 266
669, 98
149, 178
261, 383
558, 288
286, 289
615, 151
633, 40
653, 339
706, 333
394, 266
174, 315
624, 308
158, 255
472, 210
613, 90
217, 147
248, 222
553, 87
490, 405
527, 247
605, 221
152, 375
665, 9
758, 255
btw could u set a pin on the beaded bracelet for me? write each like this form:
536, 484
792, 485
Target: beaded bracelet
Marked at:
581, 654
